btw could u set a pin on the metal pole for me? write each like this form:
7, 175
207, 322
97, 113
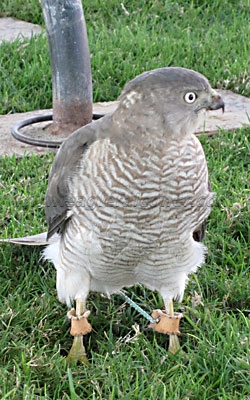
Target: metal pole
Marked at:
70, 64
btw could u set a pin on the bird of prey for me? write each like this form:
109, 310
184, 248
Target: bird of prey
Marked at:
128, 196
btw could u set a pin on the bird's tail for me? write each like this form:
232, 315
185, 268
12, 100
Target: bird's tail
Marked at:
35, 240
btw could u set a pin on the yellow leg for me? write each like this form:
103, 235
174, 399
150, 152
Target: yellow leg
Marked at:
174, 344
77, 352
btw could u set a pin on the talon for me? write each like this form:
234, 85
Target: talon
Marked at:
77, 352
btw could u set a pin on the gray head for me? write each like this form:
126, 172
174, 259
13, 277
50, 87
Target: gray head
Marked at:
174, 97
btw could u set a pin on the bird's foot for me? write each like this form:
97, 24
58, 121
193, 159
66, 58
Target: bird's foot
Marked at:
77, 352
174, 344
79, 327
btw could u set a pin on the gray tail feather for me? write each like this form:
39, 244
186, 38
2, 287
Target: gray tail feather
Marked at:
35, 240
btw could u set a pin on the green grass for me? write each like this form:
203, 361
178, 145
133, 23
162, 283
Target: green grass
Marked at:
213, 39
34, 333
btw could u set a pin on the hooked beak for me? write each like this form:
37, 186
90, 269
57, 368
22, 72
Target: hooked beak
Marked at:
217, 102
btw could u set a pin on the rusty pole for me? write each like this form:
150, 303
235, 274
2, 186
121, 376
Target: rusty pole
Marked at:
70, 64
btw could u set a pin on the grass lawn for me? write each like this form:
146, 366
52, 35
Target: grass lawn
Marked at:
129, 361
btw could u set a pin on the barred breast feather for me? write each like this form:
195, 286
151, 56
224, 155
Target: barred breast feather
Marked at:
132, 214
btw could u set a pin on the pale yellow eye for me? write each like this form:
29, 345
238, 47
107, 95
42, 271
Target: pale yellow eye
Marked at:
190, 97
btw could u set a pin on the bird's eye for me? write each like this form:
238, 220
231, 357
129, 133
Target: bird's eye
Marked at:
190, 97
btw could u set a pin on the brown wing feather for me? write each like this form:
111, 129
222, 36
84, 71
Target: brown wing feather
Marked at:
200, 233
65, 164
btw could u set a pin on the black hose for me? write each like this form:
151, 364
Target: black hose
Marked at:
39, 142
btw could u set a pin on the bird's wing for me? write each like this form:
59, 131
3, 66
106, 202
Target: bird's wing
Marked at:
199, 234
65, 164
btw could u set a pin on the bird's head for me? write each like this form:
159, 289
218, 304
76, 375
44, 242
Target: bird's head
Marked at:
170, 99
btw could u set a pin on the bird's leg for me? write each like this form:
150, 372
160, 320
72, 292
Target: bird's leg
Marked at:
168, 322
174, 343
79, 327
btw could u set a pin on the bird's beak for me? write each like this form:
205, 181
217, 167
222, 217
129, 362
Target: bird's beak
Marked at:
217, 102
